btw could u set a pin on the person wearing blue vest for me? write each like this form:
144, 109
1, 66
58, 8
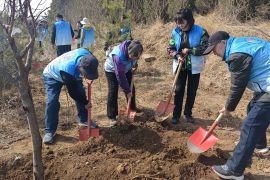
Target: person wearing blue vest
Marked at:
119, 67
125, 29
87, 34
248, 60
187, 39
62, 34
68, 69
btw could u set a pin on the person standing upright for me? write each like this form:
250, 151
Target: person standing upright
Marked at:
188, 39
87, 34
62, 35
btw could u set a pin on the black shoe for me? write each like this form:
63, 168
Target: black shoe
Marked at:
175, 120
189, 119
224, 172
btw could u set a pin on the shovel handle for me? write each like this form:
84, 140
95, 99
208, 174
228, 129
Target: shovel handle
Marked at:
129, 99
89, 102
180, 62
213, 126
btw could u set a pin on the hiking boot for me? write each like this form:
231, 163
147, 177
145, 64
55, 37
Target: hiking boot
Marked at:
175, 120
85, 124
224, 172
113, 122
262, 151
48, 138
189, 119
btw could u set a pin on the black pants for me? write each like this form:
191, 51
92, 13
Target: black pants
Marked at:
112, 104
192, 86
62, 49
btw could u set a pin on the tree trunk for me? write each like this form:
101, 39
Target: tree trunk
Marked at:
28, 106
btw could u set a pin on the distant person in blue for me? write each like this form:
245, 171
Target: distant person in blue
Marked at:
125, 29
248, 60
62, 34
87, 34
42, 31
68, 69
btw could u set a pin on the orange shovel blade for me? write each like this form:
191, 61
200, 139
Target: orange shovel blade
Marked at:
164, 109
197, 145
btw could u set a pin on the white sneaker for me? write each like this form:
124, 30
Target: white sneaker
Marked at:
113, 122
262, 151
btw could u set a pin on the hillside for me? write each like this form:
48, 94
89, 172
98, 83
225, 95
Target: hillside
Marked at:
144, 149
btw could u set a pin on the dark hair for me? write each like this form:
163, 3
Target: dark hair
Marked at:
184, 14
135, 48
59, 16
79, 22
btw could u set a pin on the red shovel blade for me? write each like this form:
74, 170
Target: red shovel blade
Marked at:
132, 114
123, 113
164, 109
94, 132
83, 134
197, 144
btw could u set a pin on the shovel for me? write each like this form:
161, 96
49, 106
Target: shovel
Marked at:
85, 133
201, 140
128, 113
166, 107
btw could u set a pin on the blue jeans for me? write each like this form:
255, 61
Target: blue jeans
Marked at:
53, 89
253, 134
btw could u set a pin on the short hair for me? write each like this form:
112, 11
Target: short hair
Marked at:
59, 16
184, 14
135, 48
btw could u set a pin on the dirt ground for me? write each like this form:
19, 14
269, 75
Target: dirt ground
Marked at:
144, 149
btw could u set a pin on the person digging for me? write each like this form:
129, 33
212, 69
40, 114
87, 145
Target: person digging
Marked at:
119, 67
68, 69
248, 60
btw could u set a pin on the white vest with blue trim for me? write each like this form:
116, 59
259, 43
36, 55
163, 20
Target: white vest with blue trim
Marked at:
109, 64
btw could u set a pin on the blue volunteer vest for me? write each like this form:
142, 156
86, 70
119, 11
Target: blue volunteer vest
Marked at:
89, 37
63, 33
259, 49
68, 62
109, 64
195, 35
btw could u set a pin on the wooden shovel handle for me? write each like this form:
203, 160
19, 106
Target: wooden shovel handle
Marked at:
129, 99
89, 103
180, 62
213, 126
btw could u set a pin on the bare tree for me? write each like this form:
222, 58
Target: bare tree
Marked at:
19, 12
